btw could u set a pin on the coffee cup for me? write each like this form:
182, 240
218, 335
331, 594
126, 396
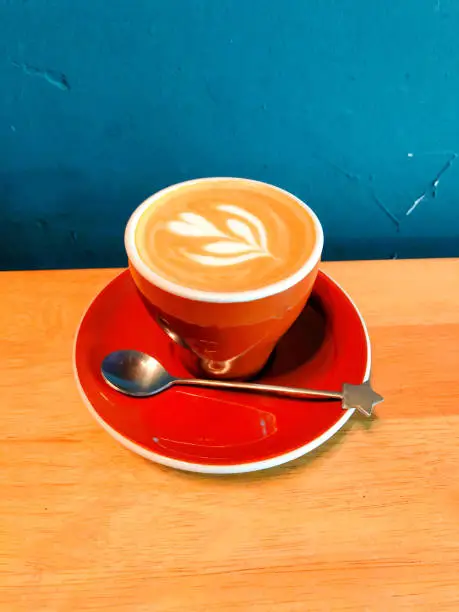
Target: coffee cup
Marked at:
224, 266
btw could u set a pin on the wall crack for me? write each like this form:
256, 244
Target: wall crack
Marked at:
57, 79
389, 214
431, 192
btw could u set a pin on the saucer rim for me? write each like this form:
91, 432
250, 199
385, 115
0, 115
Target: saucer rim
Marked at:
221, 469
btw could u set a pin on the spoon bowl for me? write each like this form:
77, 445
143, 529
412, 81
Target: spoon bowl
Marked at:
135, 373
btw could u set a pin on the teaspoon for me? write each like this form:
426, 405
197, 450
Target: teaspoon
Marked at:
140, 375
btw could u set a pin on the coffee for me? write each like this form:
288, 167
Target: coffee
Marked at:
225, 235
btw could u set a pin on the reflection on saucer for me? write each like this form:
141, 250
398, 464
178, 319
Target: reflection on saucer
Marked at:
222, 423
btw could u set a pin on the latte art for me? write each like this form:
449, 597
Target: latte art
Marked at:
224, 235
245, 239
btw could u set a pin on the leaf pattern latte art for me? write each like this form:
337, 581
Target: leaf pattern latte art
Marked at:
245, 238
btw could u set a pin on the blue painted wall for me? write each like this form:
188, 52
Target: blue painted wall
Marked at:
352, 105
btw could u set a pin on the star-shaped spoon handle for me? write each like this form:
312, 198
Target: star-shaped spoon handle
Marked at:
353, 397
361, 397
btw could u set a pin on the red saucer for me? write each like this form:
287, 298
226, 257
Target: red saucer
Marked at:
221, 432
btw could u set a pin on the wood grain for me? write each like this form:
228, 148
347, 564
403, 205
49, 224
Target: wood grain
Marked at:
369, 522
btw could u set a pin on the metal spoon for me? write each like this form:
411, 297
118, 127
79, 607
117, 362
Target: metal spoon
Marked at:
140, 375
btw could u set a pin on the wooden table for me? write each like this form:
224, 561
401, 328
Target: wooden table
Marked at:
368, 522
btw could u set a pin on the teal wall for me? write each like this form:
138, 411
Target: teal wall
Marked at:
352, 105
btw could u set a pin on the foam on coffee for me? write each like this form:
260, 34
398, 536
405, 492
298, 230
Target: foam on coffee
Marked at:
225, 235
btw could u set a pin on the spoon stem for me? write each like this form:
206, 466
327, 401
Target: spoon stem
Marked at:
256, 387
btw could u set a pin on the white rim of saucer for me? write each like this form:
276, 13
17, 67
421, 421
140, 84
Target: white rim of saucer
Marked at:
211, 296
221, 469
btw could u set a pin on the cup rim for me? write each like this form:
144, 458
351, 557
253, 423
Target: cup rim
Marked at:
214, 296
